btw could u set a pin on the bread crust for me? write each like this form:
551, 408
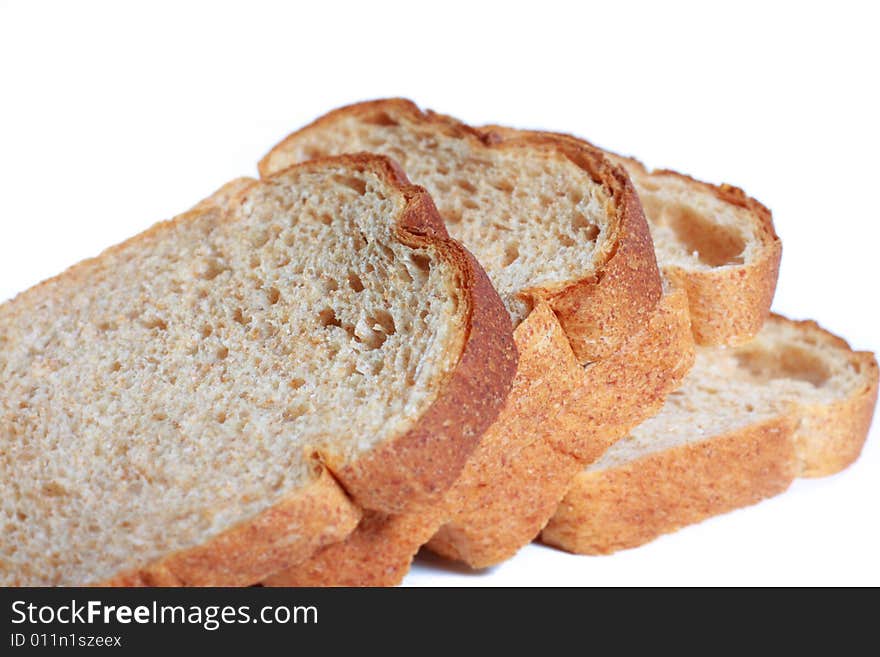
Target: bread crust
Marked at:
728, 305
627, 506
599, 311
288, 532
634, 503
378, 553
830, 437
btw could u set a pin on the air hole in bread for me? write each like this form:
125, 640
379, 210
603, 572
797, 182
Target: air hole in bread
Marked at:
155, 323
355, 282
466, 185
422, 263
222, 353
359, 185
788, 362
503, 185
327, 317
53, 489
325, 219
584, 226
295, 412
259, 238
238, 317
369, 333
566, 240
273, 295
452, 215
211, 269
384, 320
511, 253
386, 251
712, 244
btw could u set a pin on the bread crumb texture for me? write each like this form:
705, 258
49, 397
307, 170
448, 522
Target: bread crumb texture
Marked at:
184, 382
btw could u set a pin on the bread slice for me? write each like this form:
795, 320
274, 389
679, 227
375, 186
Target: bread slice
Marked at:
563, 239
794, 402
715, 242
202, 404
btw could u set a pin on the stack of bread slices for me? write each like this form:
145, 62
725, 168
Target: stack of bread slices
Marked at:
410, 333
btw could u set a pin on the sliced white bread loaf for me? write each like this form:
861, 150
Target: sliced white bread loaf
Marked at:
201, 404
794, 402
713, 241
563, 239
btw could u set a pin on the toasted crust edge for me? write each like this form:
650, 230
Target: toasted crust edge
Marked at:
629, 505
288, 532
728, 305
830, 437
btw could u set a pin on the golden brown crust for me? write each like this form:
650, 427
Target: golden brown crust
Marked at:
628, 505
414, 469
728, 305
623, 507
635, 381
378, 553
288, 532
829, 437
221, 199
560, 418
598, 312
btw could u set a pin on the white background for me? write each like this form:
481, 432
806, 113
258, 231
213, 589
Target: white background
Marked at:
114, 115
